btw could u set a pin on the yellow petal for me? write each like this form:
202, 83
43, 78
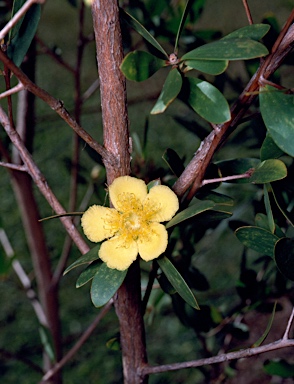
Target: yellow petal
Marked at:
154, 244
116, 255
126, 184
95, 223
165, 199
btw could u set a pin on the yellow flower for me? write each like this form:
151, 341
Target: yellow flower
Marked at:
132, 226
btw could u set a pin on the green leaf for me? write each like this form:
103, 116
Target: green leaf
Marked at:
113, 344
170, 91
212, 67
174, 162
183, 20
217, 198
208, 101
253, 31
284, 257
259, 239
153, 183
268, 328
268, 209
142, 31
88, 273
279, 368
140, 65
269, 149
105, 283
17, 4
85, 259
277, 110
268, 171
193, 210
227, 49
23, 34
177, 281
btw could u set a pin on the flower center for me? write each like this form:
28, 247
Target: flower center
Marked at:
133, 220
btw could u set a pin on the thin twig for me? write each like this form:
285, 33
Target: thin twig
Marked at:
286, 334
19, 14
244, 353
245, 175
248, 13
78, 344
16, 167
11, 91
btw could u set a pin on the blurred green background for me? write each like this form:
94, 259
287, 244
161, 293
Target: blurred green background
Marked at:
217, 255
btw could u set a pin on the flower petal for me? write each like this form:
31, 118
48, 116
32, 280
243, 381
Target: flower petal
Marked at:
155, 244
127, 184
167, 201
94, 223
116, 255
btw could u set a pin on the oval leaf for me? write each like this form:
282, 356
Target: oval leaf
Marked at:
24, 35
85, 259
228, 49
105, 283
277, 110
269, 149
284, 257
140, 65
177, 281
212, 67
170, 91
253, 31
88, 273
268, 171
208, 101
141, 30
258, 239
191, 211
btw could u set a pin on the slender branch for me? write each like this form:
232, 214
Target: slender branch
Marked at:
11, 91
41, 182
16, 167
19, 14
245, 175
58, 107
78, 344
247, 10
290, 321
244, 353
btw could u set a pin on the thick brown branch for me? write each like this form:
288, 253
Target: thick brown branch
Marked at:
112, 86
116, 141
